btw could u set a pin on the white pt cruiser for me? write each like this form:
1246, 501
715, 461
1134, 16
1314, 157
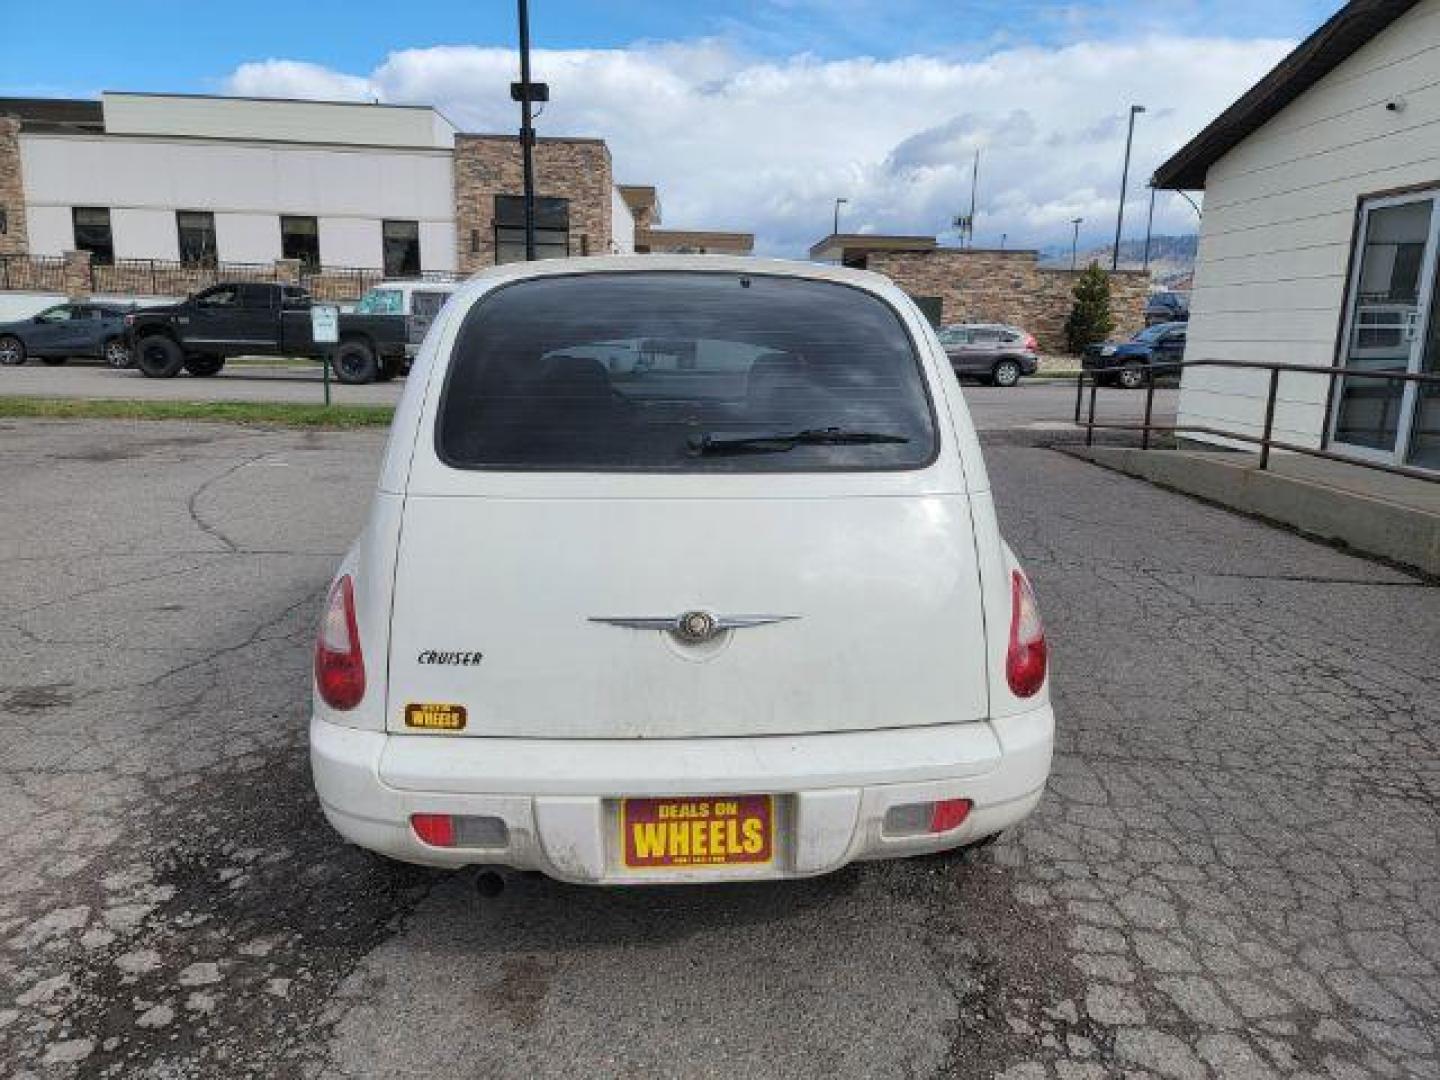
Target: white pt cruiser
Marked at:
680, 569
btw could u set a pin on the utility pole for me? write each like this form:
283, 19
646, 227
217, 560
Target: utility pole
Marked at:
838, 203
974, 187
1075, 241
526, 93
1149, 225
1135, 110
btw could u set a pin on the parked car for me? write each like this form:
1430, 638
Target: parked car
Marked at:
1128, 362
1166, 307
259, 319
743, 613
93, 330
993, 352
417, 302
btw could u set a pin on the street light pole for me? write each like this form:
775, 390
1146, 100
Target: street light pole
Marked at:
1149, 226
1135, 110
838, 203
1075, 241
527, 132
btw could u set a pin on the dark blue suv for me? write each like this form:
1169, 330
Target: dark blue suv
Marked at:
1127, 363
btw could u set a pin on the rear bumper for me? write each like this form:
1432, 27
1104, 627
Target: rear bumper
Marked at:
559, 799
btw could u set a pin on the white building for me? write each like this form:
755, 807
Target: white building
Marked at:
199, 180
245, 181
1320, 239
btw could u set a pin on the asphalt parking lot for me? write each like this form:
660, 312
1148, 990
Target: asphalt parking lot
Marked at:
1236, 871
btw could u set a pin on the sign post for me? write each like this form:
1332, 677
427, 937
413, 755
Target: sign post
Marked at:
325, 330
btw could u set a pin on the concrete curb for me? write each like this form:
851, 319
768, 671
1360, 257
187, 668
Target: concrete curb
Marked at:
1403, 534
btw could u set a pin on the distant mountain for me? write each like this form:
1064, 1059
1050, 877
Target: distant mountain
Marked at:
1172, 258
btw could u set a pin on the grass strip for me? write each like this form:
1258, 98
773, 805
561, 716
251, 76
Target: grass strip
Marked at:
280, 414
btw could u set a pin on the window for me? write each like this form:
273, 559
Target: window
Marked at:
219, 296
300, 239
400, 241
197, 237
4, 221
58, 314
92, 233
256, 296
655, 371
552, 228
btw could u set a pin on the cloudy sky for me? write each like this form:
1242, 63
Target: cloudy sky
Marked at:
749, 114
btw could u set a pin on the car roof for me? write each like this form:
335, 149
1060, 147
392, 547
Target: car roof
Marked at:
492, 277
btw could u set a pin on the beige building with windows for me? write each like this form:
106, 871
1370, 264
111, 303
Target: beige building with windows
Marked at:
1320, 244
353, 190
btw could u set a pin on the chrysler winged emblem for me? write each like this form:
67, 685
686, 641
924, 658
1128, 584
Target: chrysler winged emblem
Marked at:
691, 627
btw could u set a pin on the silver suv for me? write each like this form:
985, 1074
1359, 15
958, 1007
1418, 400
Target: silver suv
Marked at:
992, 352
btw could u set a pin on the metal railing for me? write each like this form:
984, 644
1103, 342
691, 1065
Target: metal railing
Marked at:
40, 273
1266, 440
168, 277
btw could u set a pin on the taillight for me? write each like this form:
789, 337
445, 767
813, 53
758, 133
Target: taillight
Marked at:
1031, 345
437, 830
339, 666
1025, 661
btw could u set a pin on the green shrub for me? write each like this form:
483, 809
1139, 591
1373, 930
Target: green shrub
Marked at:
1089, 321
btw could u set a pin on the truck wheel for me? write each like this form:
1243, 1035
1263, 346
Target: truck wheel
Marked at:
116, 353
1131, 376
159, 357
354, 362
1006, 373
202, 367
12, 351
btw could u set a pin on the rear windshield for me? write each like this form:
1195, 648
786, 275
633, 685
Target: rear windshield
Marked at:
687, 372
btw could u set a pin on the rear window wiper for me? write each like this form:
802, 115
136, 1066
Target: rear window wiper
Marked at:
780, 441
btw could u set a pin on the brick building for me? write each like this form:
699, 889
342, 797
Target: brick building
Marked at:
979, 285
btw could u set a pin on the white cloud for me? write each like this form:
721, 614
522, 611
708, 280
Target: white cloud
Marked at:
736, 142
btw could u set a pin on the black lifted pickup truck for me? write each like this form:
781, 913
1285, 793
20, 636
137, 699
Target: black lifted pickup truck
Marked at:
257, 319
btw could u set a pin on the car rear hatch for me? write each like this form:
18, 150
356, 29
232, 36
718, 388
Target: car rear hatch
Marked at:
564, 509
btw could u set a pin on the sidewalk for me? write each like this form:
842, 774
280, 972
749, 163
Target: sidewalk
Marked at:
1394, 517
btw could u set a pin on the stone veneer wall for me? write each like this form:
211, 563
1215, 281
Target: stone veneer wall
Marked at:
12, 191
490, 165
1008, 287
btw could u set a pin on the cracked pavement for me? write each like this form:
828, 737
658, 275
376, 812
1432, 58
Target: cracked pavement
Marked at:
1236, 871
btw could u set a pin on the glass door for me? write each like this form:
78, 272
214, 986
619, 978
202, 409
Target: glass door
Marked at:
1425, 419
1386, 329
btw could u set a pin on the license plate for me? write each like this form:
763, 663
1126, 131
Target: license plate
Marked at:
697, 831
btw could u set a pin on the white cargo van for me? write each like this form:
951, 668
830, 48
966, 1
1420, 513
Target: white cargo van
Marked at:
680, 569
